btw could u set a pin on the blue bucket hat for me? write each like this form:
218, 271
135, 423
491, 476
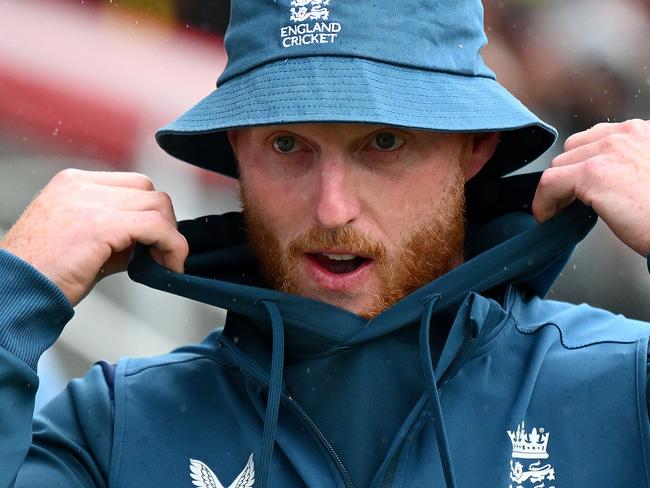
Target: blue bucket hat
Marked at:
412, 63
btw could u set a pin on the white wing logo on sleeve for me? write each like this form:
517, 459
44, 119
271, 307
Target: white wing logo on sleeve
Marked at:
203, 477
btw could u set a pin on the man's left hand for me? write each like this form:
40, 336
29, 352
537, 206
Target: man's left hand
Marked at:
608, 168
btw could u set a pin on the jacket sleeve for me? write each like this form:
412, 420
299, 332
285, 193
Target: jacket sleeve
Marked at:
72, 438
55, 446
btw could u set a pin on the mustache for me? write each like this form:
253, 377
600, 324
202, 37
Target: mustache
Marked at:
347, 238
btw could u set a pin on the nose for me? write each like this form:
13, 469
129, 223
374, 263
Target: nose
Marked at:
337, 202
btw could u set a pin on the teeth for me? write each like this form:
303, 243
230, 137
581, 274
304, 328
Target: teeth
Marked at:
340, 257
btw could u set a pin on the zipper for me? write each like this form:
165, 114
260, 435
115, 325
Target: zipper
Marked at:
297, 409
455, 364
301, 413
390, 472
468, 339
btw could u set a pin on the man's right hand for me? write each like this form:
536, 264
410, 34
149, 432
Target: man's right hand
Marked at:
83, 225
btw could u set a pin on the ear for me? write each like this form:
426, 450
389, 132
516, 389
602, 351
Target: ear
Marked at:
480, 148
233, 135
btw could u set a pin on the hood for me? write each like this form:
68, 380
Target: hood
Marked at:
504, 247
221, 269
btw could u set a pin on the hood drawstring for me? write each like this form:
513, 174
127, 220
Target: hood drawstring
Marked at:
275, 391
432, 392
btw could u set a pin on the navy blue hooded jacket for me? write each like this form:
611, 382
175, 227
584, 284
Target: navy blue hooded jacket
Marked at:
472, 380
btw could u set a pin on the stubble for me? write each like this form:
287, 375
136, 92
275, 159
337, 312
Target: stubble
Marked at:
433, 248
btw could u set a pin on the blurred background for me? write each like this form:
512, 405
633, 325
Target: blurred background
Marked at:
85, 83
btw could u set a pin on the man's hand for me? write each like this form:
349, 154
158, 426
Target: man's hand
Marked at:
608, 168
83, 225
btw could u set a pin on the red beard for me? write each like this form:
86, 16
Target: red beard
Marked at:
432, 249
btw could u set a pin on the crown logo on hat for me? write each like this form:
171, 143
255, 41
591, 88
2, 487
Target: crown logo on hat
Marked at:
302, 10
310, 25
529, 446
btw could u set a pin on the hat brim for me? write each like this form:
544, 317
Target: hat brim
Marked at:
354, 90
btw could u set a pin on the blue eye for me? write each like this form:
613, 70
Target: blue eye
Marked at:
284, 144
386, 141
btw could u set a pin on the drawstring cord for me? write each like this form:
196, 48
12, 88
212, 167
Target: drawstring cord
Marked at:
432, 393
275, 390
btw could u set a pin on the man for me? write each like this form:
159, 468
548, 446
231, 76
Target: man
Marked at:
373, 337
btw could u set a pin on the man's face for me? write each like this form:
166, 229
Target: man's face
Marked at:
354, 215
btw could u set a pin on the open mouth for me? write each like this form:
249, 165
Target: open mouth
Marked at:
338, 263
